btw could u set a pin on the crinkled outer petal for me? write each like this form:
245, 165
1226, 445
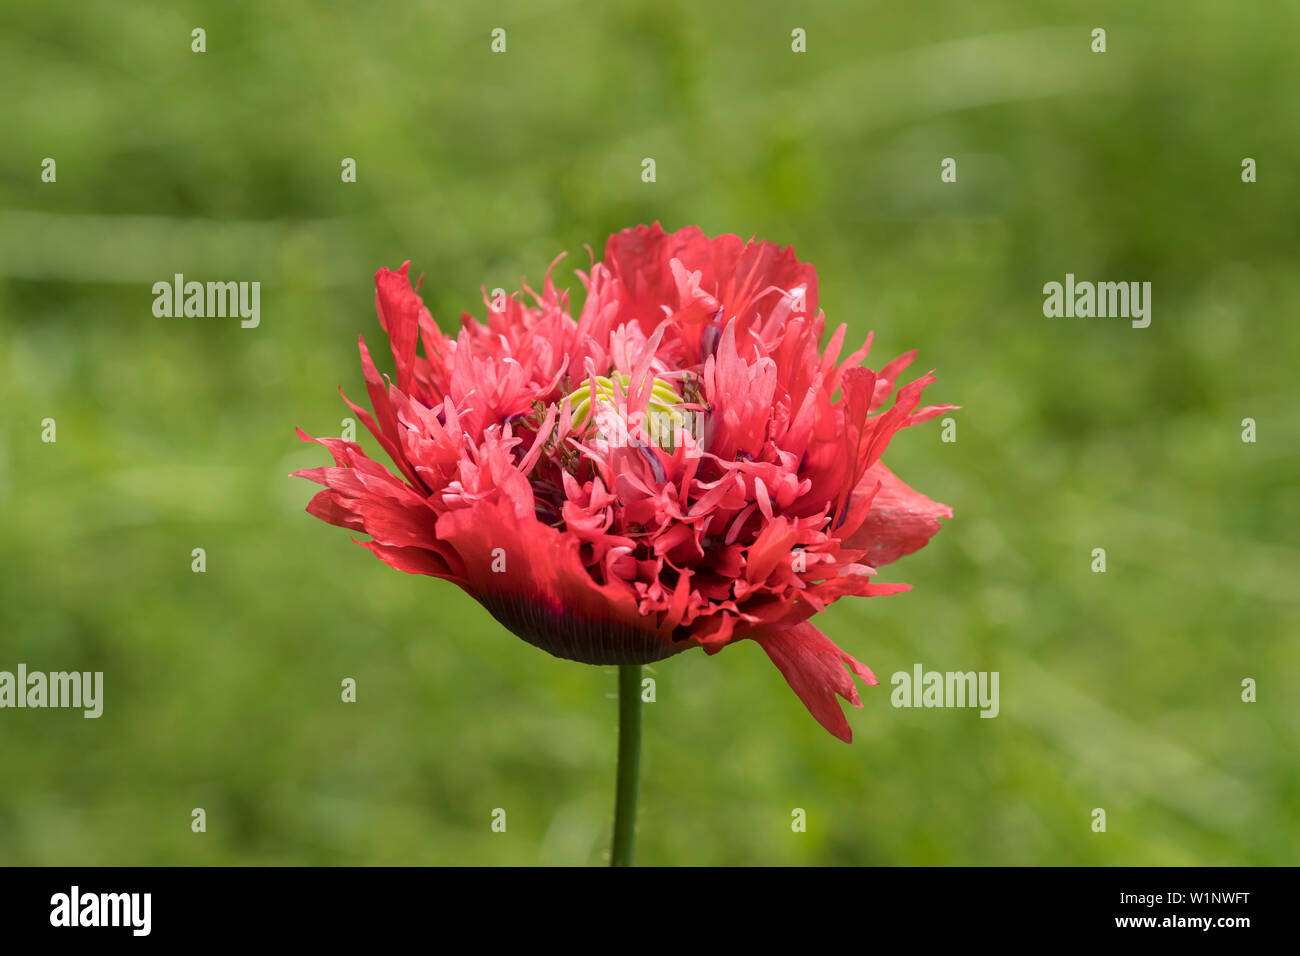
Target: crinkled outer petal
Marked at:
900, 520
362, 495
814, 668
530, 578
735, 276
399, 309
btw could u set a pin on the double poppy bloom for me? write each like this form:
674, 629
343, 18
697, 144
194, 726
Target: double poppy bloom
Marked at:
679, 464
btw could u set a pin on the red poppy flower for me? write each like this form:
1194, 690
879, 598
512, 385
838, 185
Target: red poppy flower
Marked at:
679, 465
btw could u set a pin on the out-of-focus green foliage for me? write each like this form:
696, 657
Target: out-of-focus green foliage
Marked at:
1118, 690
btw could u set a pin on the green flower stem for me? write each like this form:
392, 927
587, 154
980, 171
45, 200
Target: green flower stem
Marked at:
629, 763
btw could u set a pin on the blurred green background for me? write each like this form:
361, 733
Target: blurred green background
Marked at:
1118, 690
